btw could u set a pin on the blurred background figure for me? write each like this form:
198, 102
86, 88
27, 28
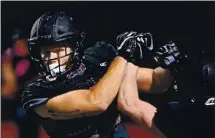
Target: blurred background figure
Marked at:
15, 67
9, 80
17, 53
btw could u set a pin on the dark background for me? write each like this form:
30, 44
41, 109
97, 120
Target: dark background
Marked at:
190, 24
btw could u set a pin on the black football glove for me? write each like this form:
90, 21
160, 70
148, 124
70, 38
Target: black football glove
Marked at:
144, 47
135, 46
145, 42
169, 57
126, 45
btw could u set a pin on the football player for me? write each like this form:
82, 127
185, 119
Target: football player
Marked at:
77, 96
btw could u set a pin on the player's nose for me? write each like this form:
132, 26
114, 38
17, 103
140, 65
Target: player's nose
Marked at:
53, 55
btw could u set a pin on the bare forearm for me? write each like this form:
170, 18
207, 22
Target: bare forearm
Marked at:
107, 88
128, 89
128, 99
130, 104
155, 80
128, 96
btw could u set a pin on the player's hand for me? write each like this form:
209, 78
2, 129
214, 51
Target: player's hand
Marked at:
135, 46
169, 56
126, 44
144, 47
145, 42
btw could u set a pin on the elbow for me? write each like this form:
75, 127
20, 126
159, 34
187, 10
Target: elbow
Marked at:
102, 108
167, 81
161, 86
123, 109
99, 107
98, 103
158, 90
121, 106
165, 86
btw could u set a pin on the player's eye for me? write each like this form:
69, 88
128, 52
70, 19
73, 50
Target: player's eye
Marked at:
45, 54
58, 50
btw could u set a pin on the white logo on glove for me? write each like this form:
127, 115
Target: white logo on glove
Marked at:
103, 64
210, 101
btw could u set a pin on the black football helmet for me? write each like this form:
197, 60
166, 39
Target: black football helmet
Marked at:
55, 28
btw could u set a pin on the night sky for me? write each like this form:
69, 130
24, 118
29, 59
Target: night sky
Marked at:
191, 24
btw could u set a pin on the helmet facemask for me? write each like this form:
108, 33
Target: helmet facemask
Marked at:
56, 59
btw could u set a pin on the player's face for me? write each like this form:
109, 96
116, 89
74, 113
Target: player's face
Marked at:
56, 57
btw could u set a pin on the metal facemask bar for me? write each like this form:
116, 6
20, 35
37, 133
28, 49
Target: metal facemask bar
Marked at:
73, 59
51, 71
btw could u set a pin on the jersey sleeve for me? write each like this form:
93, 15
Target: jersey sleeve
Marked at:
34, 95
98, 58
100, 52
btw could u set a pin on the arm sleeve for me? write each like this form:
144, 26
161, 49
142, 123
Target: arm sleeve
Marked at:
98, 58
34, 95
